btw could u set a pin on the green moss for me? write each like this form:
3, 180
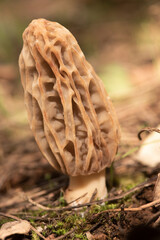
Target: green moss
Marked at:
99, 208
66, 223
111, 206
75, 219
5, 220
32, 221
35, 236
59, 224
41, 213
60, 231
126, 183
80, 236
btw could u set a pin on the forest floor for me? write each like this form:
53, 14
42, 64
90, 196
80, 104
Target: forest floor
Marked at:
29, 187
31, 190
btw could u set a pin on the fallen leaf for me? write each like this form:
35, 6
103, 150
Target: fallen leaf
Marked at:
15, 227
89, 236
50, 237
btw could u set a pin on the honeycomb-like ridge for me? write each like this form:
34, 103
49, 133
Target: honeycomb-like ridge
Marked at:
70, 113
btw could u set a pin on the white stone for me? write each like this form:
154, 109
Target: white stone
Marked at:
149, 152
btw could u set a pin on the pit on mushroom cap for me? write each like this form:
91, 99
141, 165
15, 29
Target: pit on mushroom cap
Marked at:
70, 114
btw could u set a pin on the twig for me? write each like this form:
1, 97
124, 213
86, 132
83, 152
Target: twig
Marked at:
136, 209
157, 223
153, 218
65, 235
19, 219
67, 208
136, 188
37, 204
93, 195
148, 129
10, 216
77, 199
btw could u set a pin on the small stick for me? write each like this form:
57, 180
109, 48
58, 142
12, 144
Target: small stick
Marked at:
10, 216
93, 195
65, 235
157, 223
153, 218
136, 209
19, 219
77, 199
37, 204
138, 187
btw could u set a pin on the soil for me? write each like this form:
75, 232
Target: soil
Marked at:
44, 186
29, 187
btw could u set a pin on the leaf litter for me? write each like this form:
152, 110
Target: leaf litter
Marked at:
33, 191
15, 227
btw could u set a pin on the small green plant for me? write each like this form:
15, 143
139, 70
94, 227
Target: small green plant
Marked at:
111, 206
5, 220
62, 200
49, 226
35, 236
60, 232
74, 219
59, 224
80, 236
32, 221
99, 208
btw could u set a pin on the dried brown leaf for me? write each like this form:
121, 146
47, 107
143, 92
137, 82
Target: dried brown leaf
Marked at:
50, 237
15, 227
89, 236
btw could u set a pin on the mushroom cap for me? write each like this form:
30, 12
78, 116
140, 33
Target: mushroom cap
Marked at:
70, 113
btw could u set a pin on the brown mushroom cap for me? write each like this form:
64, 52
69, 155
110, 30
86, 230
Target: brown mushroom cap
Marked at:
70, 113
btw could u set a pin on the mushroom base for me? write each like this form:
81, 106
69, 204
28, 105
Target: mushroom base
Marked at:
83, 189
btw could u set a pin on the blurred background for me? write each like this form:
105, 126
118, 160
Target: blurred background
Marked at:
120, 38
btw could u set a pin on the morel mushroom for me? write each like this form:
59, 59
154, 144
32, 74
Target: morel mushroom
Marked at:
70, 113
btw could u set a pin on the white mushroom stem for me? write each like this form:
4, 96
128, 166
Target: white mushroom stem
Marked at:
81, 189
